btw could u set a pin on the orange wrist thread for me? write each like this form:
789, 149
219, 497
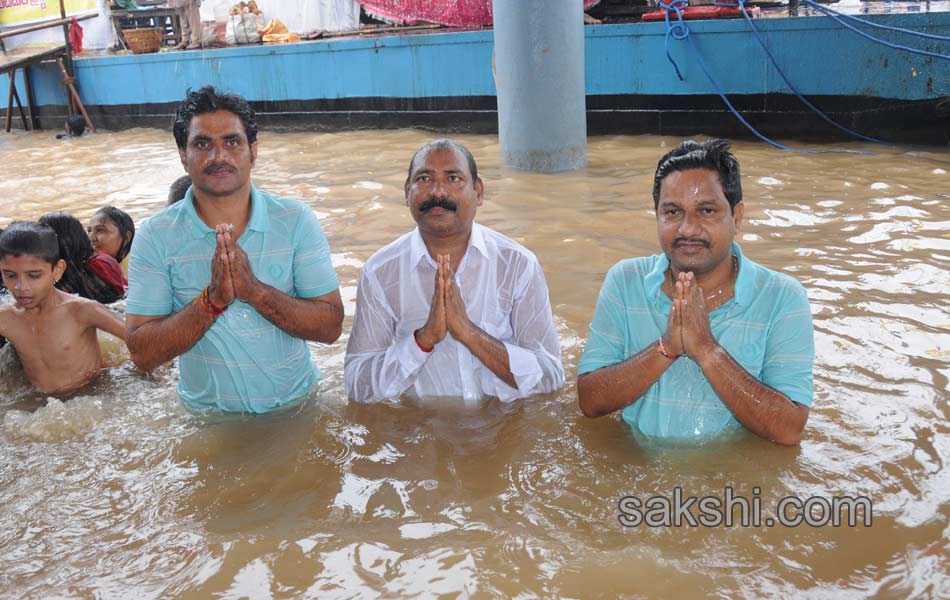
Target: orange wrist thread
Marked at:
205, 303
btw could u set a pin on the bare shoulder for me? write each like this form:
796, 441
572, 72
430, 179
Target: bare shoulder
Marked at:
78, 302
83, 308
7, 311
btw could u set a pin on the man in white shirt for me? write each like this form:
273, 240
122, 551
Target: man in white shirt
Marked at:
452, 308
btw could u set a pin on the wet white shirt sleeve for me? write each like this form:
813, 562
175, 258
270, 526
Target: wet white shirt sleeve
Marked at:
534, 351
379, 363
505, 295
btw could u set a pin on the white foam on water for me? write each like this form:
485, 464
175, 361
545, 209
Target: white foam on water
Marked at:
57, 421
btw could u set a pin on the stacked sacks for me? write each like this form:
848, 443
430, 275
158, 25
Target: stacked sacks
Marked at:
244, 22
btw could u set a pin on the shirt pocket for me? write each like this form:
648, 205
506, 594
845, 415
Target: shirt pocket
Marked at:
188, 276
277, 271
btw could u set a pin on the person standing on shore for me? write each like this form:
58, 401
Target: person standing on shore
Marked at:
190, 19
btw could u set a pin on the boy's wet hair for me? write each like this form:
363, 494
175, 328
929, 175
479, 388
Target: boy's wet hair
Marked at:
178, 189
76, 249
711, 154
28, 238
206, 100
124, 223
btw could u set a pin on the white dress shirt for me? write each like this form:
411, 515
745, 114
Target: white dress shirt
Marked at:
505, 295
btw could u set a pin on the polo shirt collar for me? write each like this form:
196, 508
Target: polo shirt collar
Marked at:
419, 252
742, 293
745, 280
259, 221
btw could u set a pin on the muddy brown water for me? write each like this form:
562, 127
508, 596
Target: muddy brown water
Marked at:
122, 493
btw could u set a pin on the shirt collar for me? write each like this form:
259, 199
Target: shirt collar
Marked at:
419, 252
745, 281
259, 221
742, 292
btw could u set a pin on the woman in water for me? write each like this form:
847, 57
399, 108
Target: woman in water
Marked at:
93, 275
111, 231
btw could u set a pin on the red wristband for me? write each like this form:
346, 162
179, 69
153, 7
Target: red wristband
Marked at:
205, 303
415, 336
662, 350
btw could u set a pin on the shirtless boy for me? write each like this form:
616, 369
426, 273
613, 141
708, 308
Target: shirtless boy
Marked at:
54, 333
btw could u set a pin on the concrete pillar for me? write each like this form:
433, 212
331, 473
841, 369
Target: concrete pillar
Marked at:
539, 77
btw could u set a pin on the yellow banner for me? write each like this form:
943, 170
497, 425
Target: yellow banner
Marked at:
21, 12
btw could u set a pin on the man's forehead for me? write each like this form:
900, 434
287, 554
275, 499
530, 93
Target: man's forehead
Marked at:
696, 184
427, 159
218, 123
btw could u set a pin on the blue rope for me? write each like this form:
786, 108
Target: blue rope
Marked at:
702, 65
683, 33
679, 30
928, 36
805, 101
878, 40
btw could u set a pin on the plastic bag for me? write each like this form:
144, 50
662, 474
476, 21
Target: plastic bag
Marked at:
242, 28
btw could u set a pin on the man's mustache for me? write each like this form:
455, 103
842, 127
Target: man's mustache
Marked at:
438, 202
682, 240
218, 167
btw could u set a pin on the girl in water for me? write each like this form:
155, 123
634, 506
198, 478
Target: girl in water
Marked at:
90, 274
111, 231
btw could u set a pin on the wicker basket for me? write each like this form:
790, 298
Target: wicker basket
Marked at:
144, 41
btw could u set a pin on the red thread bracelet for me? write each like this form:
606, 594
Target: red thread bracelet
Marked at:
208, 306
415, 336
662, 350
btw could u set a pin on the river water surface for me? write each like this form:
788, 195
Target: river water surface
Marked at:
122, 493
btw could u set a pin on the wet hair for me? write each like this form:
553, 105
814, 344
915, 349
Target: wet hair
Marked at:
75, 125
446, 144
125, 225
29, 238
76, 249
178, 189
206, 100
711, 154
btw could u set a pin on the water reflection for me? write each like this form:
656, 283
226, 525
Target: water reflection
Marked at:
121, 489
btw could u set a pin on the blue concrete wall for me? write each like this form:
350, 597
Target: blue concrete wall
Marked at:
818, 55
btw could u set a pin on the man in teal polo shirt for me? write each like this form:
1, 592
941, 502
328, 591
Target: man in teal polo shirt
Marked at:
232, 279
700, 339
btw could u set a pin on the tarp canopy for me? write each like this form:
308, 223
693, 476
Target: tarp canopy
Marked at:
444, 12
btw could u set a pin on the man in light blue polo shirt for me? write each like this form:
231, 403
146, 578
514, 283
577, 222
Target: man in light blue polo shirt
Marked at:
232, 279
700, 340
